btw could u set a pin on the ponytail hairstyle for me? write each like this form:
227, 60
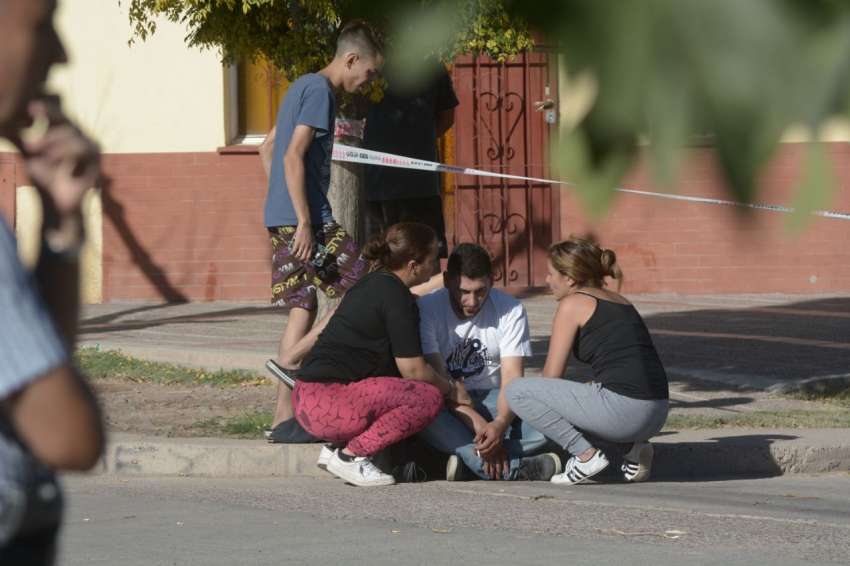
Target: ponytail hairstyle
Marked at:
584, 261
399, 244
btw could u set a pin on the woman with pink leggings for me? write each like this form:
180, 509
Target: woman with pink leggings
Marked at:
365, 385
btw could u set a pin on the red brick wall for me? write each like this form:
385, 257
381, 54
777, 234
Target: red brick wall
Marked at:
672, 246
185, 226
189, 226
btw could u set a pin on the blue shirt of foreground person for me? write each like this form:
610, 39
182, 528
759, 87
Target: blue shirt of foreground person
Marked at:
49, 419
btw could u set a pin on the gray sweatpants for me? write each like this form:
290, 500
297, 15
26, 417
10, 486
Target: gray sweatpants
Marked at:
563, 409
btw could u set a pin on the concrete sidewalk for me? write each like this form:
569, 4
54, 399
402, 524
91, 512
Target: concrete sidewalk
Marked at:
721, 352
756, 341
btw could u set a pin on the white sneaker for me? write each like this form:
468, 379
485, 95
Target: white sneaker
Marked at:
637, 463
576, 471
325, 456
456, 470
360, 471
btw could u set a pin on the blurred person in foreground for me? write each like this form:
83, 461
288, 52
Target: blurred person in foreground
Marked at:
49, 419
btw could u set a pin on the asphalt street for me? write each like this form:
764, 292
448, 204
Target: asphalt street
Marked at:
193, 521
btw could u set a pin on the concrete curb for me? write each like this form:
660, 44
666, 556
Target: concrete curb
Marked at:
747, 452
825, 385
208, 457
683, 455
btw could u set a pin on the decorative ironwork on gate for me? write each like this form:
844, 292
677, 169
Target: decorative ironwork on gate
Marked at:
497, 128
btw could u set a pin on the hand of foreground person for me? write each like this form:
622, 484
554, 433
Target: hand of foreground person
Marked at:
496, 465
62, 162
489, 439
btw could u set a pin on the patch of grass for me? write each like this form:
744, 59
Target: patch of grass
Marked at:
761, 419
249, 425
829, 391
108, 364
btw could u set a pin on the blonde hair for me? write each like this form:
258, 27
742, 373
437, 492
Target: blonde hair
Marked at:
585, 262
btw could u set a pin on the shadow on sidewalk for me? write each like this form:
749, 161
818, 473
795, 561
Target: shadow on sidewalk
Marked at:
753, 348
757, 347
710, 403
116, 213
721, 458
718, 459
103, 324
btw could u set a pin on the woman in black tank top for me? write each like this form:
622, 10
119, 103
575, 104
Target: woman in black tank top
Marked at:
627, 401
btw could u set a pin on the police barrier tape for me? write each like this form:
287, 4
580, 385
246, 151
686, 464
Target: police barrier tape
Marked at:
351, 154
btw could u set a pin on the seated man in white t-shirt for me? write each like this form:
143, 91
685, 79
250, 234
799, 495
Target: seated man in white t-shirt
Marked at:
480, 335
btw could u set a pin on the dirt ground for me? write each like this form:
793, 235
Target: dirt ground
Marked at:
176, 410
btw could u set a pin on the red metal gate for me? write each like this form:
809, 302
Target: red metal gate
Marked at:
503, 124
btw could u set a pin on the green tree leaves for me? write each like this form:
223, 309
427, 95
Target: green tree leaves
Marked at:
667, 72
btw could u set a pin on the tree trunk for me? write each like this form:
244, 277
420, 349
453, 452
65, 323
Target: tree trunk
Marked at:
347, 197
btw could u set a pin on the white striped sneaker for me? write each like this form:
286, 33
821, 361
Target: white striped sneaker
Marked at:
637, 463
360, 471
325, 456
576, 471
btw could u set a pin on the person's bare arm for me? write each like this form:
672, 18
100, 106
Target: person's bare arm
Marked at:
467, 414
294, 170
266, 150
418, 369
564, 328
299, 351
489, 439
470, 417
434, 283
436, 362
58, 419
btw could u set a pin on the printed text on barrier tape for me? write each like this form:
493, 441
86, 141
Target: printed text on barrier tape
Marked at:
371, 157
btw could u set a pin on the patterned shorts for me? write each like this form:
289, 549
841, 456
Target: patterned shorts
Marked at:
336, 266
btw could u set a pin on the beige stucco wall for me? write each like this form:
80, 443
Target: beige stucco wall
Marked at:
28, 213
156, 96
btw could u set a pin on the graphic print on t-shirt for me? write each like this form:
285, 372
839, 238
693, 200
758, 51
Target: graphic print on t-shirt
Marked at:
468, 358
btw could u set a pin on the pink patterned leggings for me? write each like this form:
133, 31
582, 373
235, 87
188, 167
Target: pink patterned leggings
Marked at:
370, 414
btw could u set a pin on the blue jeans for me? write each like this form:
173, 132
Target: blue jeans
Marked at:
449, 435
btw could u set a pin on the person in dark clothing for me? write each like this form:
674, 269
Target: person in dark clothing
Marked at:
627, 401
408, 122
365, 384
